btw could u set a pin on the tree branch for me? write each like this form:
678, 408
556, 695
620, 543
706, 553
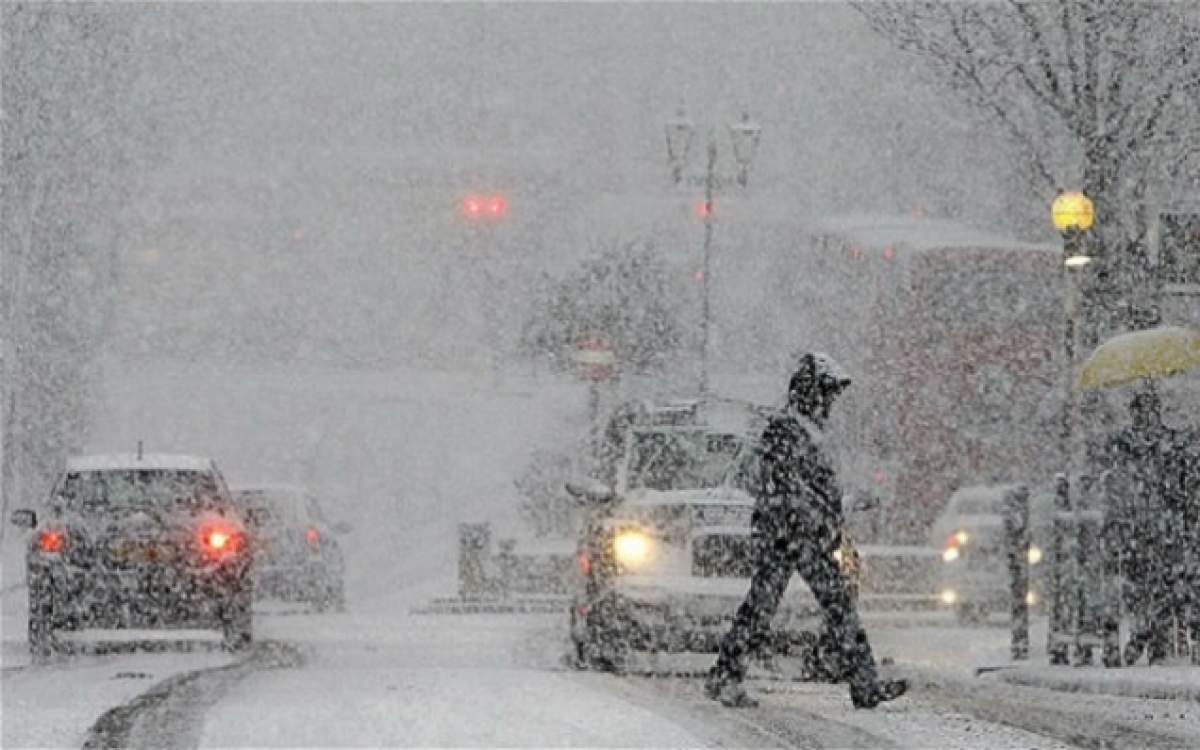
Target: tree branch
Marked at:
1045, 62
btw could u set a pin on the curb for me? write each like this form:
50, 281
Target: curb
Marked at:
1123, 687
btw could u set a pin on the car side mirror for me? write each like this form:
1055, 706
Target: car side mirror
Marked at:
589, 490
24, 518
342, 527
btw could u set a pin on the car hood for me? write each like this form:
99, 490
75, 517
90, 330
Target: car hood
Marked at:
700, 497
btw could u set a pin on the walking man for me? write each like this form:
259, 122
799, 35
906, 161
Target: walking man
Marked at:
796, 527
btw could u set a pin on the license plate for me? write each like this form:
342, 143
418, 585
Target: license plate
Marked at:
142, 552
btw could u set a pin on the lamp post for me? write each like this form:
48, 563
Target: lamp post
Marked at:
1072, 214
744, 135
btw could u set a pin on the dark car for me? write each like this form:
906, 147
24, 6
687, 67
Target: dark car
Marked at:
137, 541
297, 555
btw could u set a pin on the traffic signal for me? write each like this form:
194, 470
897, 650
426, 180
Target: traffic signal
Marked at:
476, 206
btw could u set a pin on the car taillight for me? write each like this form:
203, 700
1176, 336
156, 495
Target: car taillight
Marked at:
585, 564
51, 541
313, 537
220, 539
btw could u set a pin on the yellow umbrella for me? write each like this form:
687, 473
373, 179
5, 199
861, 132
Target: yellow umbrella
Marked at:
1152, 353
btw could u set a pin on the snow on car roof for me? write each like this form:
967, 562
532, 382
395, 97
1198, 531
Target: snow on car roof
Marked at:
119, 461
269, 488
721, 496
919, 235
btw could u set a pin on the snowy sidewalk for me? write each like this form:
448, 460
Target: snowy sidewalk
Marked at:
1171, 682
983, 653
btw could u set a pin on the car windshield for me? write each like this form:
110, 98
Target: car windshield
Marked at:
123, 488
271, 508
681, 459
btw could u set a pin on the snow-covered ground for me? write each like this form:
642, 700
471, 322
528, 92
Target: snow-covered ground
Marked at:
404, 456
56, 705
483, 681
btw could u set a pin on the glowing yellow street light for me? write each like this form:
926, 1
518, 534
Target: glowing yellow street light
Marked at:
1072, 210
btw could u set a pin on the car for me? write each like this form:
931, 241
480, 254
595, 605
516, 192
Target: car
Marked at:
664, 554
297, 554
974, 578
137, 541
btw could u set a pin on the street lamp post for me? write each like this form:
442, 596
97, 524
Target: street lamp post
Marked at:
744, 136
1072, 214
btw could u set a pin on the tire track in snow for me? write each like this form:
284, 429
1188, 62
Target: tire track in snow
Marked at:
171, 713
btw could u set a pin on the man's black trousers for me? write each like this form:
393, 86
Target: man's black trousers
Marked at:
784, 542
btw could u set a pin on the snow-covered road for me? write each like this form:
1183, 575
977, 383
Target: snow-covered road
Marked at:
482, 681
409, 457
379, 676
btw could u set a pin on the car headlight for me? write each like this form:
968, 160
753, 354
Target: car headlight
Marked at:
1031, 598
949, 596
950, 554
1035, 555
632, 548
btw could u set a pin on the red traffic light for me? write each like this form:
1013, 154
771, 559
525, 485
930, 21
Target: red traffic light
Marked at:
476, 206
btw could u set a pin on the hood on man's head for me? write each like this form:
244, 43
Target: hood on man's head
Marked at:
817, 370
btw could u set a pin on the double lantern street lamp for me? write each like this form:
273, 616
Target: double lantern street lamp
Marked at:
744, 135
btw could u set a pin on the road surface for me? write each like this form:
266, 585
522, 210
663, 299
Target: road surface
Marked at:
380, 676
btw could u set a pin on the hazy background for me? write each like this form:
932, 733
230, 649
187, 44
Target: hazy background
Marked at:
304, 203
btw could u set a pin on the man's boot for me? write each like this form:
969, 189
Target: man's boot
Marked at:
727, 690
881, 692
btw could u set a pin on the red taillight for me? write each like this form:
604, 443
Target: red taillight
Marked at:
312, 536
220, 539
585, 565
51, 541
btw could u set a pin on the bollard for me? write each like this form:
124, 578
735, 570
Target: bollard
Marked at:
1091, 606
1058, 639
1016, 537
474, 545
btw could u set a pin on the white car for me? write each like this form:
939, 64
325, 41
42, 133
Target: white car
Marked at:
296, 551
969, 533
665, 556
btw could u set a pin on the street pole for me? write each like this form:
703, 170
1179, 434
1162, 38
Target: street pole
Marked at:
1016, 533
709, 179
1063, 614
744, 136
1072, 214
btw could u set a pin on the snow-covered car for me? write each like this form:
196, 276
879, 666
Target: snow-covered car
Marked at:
665, 553
296, 552
137, 541
974, 578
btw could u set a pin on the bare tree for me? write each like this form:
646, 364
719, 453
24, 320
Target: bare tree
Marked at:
622, 292
65, 68
1100, 95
